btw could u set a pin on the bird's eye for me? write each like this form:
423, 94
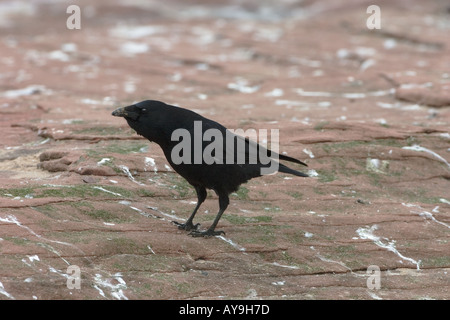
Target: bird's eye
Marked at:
144, 110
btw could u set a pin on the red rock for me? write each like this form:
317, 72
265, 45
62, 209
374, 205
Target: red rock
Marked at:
96, 171
281, 65
424, 97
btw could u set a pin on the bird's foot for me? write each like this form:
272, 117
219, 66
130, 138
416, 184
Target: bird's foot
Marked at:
186, 226
206, 234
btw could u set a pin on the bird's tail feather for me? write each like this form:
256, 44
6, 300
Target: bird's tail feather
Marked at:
284, 169
283, 157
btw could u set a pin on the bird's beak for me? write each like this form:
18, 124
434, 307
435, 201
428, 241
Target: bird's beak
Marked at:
120, 112
129, 113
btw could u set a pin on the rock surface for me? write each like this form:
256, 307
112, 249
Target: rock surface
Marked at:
368, 110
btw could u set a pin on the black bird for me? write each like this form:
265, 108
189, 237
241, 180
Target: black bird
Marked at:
222, 169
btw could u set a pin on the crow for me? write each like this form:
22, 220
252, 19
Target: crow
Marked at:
205, 153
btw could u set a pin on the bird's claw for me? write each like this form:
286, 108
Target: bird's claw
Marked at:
193, 228
206, 234
186, 226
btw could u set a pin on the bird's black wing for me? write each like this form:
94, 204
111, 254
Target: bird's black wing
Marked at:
270, 153
249, 155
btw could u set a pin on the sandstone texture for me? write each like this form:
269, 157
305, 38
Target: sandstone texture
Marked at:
368, 110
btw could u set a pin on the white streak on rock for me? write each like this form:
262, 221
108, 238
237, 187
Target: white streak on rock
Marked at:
385, 243
422, 149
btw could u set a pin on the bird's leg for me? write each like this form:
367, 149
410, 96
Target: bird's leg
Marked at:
223, 204
189, 225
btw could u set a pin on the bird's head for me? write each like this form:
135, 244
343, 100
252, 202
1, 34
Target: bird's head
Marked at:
145, 117
130, 113
140, 111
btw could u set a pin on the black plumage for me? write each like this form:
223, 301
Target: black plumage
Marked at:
222, 169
